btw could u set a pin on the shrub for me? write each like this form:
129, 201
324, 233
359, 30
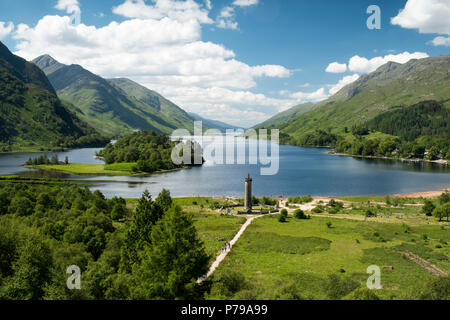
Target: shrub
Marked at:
337, 287
283, 216
329, 224
300, 214
361, 294
318, 209
436, 289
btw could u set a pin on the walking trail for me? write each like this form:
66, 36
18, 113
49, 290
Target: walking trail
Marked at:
424, 264
223, 255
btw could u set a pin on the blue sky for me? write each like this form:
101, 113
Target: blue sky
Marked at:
238, 61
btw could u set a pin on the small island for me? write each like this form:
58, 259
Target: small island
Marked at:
141, 153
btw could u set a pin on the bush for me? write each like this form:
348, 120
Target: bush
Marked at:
318, 209
337, 287
428, 208
436, 289
361, 294
283, 216
300, 214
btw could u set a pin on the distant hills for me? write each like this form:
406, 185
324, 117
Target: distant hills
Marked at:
115, 107
31, 115
219, 125
391, 85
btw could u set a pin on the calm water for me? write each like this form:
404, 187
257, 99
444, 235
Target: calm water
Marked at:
302, 171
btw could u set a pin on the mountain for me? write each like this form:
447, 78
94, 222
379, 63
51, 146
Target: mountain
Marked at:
391, 85
287, 115
213, 124
31, 115
117, 106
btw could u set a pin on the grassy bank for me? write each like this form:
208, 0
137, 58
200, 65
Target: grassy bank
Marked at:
85, 169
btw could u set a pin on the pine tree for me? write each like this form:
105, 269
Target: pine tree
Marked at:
138, 235
173, 262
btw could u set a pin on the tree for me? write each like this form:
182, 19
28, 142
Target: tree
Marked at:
428, 207
147, 214
283, 215
444, 197
442, 211
31, 272
164, 200
300, 214
118, 212
173, 262
21, 206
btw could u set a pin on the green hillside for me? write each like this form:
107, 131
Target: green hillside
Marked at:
390, 85
286, 115
31, 115
116, 107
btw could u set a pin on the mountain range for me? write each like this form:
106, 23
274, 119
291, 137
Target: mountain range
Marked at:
391, 85
31, 115
115, 107
214, 124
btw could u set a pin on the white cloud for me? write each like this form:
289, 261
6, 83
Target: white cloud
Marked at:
364, 65
70, 6
315, 96
428, 16
441, 41
245, 3
165, 54
336, 67
226, 19
5, 29
321, 93
343, 82
174, 9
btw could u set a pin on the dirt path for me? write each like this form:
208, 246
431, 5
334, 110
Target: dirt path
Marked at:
424, 264
223, 255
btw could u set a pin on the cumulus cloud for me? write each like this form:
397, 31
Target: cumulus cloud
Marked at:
343, 82
441, 41
364, 65
5, 29
176, 10
321, 93
427, 16
336, 67
226, 19
315, 96
245, 3
70, 6
160, 50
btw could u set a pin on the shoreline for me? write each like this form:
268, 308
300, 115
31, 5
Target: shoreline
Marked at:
440, 161
423, 194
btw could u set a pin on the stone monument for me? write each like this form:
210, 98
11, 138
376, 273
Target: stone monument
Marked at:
248, 194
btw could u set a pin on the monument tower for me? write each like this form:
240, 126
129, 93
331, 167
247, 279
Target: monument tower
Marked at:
248, 193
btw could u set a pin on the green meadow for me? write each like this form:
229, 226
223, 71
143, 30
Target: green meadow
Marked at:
307, 259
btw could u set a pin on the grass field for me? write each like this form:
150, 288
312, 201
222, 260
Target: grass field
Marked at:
276, 260
89, 169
